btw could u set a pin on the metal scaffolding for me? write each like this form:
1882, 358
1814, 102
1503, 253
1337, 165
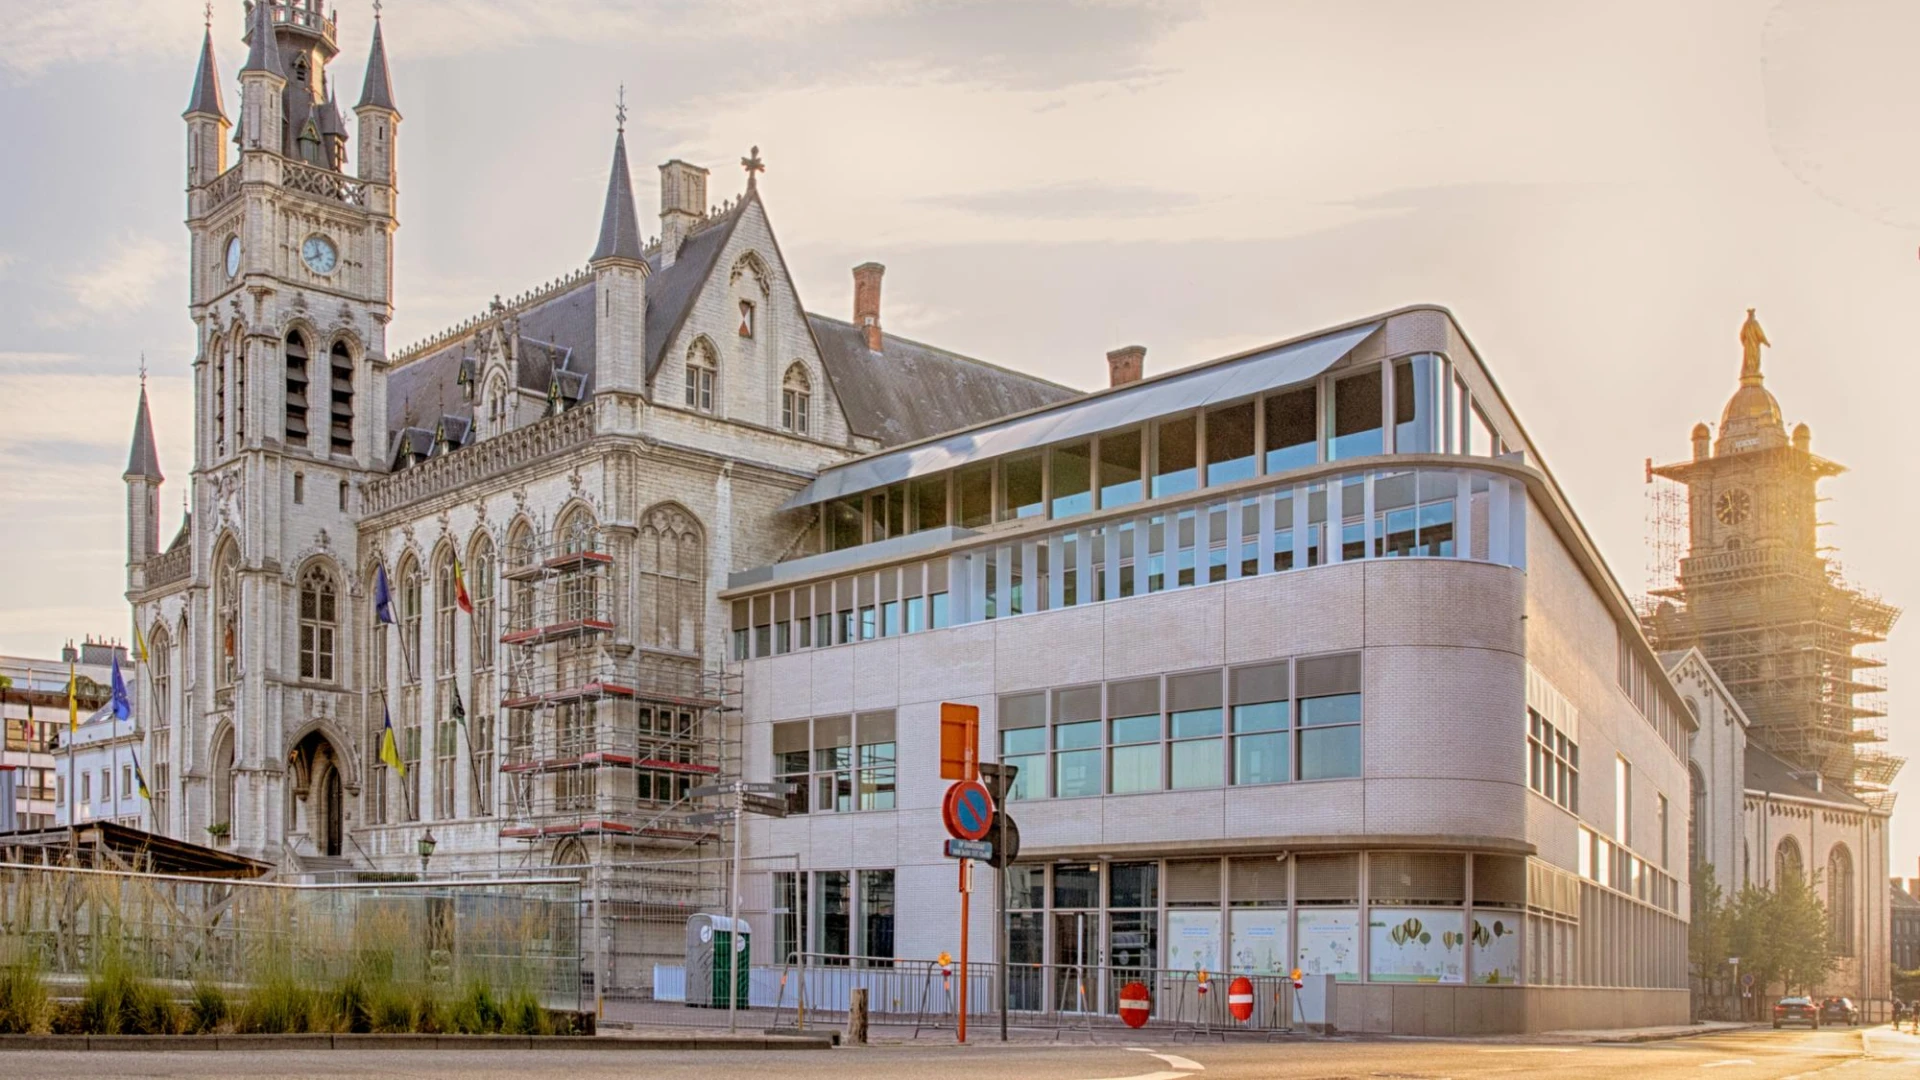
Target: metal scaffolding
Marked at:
1781, 627
604, 740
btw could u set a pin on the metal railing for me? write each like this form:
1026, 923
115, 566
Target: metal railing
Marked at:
814, 989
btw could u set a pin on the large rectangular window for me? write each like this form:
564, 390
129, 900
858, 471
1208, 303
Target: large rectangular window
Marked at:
876, 914
1330, 713
1259, 698
1553, 762
1176, 460
1419, 405
1072, 468
929, 496
1133, 720
834, 936
846, 524
1076, 742
1021, 486
1291, 429
1622, 801
1196, 728
974, 489
833, 763
1355, 416
1120, 468
1230, 449
877, 760
1022, 722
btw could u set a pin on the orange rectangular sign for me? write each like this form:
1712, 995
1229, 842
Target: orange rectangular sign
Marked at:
959, 741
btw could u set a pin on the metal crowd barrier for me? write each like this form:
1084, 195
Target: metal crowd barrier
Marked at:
814, 989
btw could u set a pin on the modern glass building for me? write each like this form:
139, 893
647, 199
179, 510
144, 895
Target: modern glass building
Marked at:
1305, 661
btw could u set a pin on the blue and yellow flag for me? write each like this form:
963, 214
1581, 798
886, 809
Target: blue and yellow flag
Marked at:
389, 746
122, 704
139, 644
140, 778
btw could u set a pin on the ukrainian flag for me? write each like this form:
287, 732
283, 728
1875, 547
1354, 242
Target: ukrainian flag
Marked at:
389, 746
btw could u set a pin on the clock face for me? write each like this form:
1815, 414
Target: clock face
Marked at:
233, 255
319, 255
1733, 507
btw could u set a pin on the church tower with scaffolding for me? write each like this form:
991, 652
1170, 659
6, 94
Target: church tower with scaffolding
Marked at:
1757, 594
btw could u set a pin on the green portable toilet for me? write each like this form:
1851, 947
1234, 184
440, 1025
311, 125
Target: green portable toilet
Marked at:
711, 940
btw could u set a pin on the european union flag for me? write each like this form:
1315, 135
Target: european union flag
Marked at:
122, 708
382, 596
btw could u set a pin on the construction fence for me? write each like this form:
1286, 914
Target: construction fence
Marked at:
523, 932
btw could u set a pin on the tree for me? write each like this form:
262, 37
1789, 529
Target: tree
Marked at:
1710, 933
1781, 935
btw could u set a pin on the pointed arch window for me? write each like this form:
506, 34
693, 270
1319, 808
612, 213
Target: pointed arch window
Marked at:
239, 391
226, 602
672, 580
746, 318
520, 594
376, 639
296, 422
319, 624
1840, 900
341, 399
579, 592
223, 796
443, 607
480, 574
796, 401
220, 396
410, 611
497, 406
160, 737
702, 373
1787, 863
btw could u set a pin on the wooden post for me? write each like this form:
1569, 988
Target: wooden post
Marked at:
857, 1016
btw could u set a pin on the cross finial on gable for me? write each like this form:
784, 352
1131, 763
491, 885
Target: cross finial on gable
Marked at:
753, 165
209, 14
143, 372
376, 10
620, 112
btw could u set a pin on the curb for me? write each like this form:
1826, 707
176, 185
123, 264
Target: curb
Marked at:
247, 1043
1668, 1036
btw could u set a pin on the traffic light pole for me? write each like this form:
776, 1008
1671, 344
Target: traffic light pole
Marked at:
1001, 879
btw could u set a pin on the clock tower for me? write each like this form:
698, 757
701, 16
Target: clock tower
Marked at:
1763, 604
291, 291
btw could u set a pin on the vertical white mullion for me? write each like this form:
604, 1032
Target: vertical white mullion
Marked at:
1083, 567
1056, 571
1030, 599
1463, 517
1367, 550
1236, 525
1003, 581
1300, 525
1202, 542
1111, 572
1333, 535
1266, 533
1497, 508
1143, 554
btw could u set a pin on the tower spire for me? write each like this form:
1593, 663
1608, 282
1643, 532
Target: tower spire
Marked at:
263, 50
377, 91
205, 99
619, 226
143, 460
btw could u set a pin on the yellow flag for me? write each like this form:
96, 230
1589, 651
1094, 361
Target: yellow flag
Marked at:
73, 700
139, 644
389, 747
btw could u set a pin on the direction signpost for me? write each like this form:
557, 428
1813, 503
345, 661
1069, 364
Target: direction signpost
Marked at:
747, 797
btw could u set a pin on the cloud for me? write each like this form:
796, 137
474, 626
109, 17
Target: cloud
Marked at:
125, 282
1059, 202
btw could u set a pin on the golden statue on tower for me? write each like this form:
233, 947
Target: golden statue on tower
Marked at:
1751, 338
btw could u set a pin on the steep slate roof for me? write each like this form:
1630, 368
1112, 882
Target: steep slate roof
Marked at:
671, 290
556, 341
143, 459
263, 50
206, 84
377, 91
619, 228
909, 390
1770, 775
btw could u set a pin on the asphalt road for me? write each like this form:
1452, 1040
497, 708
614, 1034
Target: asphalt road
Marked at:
1740, 1055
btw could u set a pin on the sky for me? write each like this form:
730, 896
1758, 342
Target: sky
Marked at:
1597, 191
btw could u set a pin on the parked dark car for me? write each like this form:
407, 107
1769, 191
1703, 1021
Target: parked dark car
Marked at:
1796, 1010
1840, 1011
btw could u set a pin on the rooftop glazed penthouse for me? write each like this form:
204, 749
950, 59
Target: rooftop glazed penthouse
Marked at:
1291, 649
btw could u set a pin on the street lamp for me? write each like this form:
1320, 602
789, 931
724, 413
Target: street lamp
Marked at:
427, 844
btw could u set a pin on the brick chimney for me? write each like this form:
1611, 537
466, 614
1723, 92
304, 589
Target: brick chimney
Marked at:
1126, 364
866, 301
683, 202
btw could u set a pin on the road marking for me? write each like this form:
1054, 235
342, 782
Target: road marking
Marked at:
1174, 1061
1729, 1061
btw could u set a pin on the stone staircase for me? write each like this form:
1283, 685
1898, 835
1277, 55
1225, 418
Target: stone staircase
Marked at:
331, 868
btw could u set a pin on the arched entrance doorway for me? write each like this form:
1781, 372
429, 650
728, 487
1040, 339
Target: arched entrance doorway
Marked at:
319, 784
